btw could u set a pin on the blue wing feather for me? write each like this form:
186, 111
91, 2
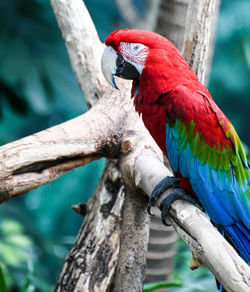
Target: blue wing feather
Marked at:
217, 189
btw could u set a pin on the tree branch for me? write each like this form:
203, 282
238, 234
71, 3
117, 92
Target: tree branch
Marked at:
190, 26
84, 47
40, 158
198, 39
210, 248
133, 19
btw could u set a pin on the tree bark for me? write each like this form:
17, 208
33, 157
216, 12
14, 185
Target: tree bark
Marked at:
134, 241
91, 263
190, 25
122, 136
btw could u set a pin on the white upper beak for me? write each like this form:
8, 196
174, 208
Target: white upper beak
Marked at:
108, 64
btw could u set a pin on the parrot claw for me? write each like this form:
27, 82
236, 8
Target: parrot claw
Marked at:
177, 194
162, 186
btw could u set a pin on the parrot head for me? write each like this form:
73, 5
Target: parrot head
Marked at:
149, 59
128, 51
145, 57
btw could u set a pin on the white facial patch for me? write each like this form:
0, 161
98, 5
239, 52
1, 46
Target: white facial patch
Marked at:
135, 53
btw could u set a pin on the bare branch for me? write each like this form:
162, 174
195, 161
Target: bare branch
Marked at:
210, 248
134, 19
83, 45
190, 24
40, 158
127, 10
200, 21
206, 243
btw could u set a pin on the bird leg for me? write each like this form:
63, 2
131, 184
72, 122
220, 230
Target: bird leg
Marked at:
167, 183
177, 194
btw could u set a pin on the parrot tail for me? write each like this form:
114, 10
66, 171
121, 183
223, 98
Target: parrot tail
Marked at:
239, 236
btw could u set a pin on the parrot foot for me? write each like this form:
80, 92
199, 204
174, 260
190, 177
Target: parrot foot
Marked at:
177, 194
161, 187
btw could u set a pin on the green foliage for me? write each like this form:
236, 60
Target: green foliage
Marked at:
160, 285
50, 222
16, 250
198, 280
3, 284
33, 283
15, 247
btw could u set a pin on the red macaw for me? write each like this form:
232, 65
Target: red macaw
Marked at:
201, 144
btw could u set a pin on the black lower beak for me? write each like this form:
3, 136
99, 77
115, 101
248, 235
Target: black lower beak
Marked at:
125, 69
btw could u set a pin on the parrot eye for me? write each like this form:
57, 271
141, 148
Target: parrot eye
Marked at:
136, 48
135, 52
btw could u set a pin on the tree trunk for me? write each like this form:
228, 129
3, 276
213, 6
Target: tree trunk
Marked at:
134, 241
91, 263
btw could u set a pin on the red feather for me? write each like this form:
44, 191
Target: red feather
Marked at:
168, 90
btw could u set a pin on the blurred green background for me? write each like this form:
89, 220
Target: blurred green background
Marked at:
38, 90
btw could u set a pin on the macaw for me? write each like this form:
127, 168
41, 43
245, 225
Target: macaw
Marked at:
201, 144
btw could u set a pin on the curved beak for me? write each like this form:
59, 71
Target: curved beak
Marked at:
108, 63
114, 64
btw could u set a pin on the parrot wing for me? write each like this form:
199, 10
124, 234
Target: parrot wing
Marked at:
204, 147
